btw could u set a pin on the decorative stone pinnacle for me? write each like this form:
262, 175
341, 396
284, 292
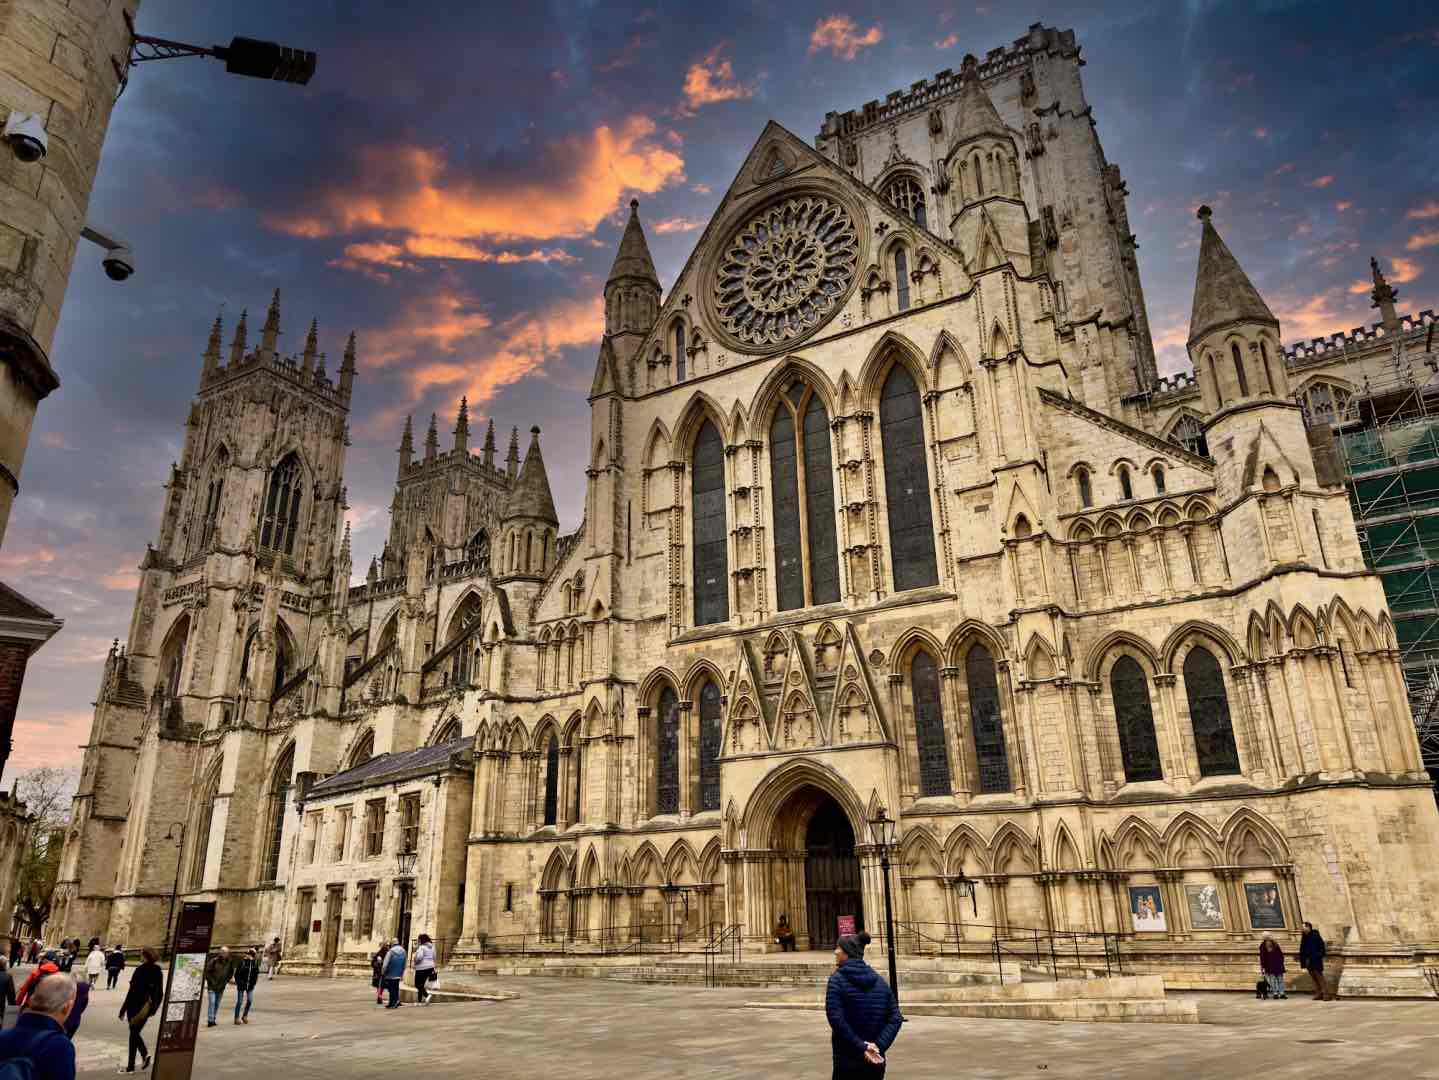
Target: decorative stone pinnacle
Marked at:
1204, 213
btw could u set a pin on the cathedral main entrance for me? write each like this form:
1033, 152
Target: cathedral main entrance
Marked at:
831, 875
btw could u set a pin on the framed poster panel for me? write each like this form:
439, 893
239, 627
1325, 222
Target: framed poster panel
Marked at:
1266, 910
1146, 909
1204, 910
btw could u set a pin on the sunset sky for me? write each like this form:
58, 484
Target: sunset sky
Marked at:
451, 185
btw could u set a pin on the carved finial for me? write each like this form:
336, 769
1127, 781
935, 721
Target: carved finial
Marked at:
1204, 213
462, 426
312, 344
237, 346
432, 438
1383, 296
490, 444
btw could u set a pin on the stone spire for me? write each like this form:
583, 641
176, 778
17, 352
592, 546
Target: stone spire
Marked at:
432, 439
512, 460
977, 116
212, 353
320, 368
312, 346
372, 575
1223, 293
490, 444
347, 367
462, 427
632, 291
530, 497
269, 337
237, 346
632, 260
407, 446
1384, 296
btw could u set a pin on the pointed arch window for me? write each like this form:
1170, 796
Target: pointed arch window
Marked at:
901, 277
478, 549
577, 780
905, 194
1209, 714
906, 482
275, 818
802, 480
200, 846
1239, 369
1086, 490
280, 517
552, 780
1264, 365
1159, 480
929, 739
1126, 486
364, 750
711, 555
667, 754
679, 340
1189, 433
214, 495
1138, 746
987, 721
710, 746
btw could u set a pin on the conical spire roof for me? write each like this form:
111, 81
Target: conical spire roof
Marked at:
977, 114
633, 258
530, 497
1223, 293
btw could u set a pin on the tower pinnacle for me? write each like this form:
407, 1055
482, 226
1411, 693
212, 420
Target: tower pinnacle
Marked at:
432, 440
462, 427
1384, 296
407, 446
237, 346
270, 335
490, 444
212, 353
512, 459
347, 367
312, 345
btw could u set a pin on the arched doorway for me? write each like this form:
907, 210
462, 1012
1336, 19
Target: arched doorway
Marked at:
831, 874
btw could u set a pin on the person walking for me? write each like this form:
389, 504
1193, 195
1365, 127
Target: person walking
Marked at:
217, 977
273, 956
424, 968
16, 951
247, 974
377, 967
77, 1010
94, 964
1271, 964
7, 989
39, 1032
1312, 951
142, 1001
49, 967
114, 964
392, 972
862, 1011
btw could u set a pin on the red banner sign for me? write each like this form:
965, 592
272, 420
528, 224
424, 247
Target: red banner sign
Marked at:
846, 925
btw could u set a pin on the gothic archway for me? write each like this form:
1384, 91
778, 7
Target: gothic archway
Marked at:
824, 879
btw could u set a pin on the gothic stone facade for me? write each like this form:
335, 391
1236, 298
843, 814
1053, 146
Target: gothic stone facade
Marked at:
872, 521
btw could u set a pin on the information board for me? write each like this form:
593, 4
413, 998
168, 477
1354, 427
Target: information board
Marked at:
184, 992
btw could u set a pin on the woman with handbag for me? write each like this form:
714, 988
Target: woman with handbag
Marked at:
147, 990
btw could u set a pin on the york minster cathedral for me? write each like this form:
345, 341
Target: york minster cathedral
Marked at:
887, 509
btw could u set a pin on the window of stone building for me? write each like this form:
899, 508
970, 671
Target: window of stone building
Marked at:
1138, 746
304, 913
200, 845
374, 828
901, 277
1086, 492
929, 740
1126, 486
410, 823
1189, 433
1159, 480
278, 802
906, 482
214, 496
1326, 403
280, 516
667, 754
552, 781
1239, 369
509, 896
478, 549
679, 345
577, 779
312, 841
987, 721
905, 194
365, 910
342, 831
711, 555
802, 479
710, 746
1209, 714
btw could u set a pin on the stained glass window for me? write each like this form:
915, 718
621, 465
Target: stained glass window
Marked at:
987, 721
800, 461
1138, 745
929, 726
906, 195
901, 277
906, 482
709, 747
667, 755
711, 557
552, 781
1209, 714
281, 516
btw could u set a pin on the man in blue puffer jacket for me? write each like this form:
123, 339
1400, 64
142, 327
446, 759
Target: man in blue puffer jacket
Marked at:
863, 1013
392, 971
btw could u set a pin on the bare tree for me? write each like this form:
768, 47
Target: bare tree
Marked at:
46, 793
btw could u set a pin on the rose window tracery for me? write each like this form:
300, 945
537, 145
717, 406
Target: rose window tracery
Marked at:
785, 270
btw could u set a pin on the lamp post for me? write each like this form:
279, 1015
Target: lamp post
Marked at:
405, 868
179, 860
882, 832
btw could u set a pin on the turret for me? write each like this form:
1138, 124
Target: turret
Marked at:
990, 221
462, 428
1384, 296
432, 440
528, 519
237, 346
347, 368
632, 292
269, 337
512, 459
407, 446
212, 354
490, 444
312, 347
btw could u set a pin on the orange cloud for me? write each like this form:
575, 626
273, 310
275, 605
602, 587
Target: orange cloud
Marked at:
1343, 205
1402, 270
1426, 211
711, 79
382, 253
572, 187
677, 225
840, 35
1317, 315
949, 41
701, 189
1420, 241
1321, 181
1261, 133
1287, 167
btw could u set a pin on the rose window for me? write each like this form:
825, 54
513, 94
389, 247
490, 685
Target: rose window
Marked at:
786, 270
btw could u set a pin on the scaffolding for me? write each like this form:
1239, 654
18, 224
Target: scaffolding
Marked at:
1388, 443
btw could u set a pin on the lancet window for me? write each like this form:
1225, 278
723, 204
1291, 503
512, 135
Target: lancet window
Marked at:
802, 480
711, 555
1209, 714
1138, 746
987, 721
906, 482
934, 778
280, 517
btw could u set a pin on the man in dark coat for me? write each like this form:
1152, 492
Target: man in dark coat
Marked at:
217, 976
39, 1033
1311, 958
862, 1011
114, 964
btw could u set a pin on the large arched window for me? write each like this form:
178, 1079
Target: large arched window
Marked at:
679, 344
802, 480
1189, 433
906, 482
465, 623
1132, 712
929, 726
280, 517
1209, 714
214, 495
667, 754
552, 780
987, 721
711, 556
200, 844
710, 746
478, 549
901, 277
905, 194
172, 656
279, 801
364, 750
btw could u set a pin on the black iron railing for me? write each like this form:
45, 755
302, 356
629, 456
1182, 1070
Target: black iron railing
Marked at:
1071, 951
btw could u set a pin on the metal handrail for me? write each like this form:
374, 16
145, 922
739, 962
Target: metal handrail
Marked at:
1047, 945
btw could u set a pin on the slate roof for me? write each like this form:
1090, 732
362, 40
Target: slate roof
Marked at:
15, 606
384, 768
530, 497
977, 114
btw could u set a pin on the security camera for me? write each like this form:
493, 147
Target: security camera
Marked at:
25, 133
119, 263
119, 258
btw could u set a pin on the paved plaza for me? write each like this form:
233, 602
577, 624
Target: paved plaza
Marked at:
582, 1028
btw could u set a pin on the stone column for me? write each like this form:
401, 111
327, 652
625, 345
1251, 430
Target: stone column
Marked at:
1182, 754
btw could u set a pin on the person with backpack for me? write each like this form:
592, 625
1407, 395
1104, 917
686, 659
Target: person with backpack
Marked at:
247, 974
392, 972
114, 964
147, 990
862, 1010
37, 1048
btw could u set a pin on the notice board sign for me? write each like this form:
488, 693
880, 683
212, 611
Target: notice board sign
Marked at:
184, 992
846, 924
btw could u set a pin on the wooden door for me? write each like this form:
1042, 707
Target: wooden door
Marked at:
831, 876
